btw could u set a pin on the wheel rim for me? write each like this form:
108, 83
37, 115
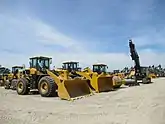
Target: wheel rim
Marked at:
44, 87
20, 87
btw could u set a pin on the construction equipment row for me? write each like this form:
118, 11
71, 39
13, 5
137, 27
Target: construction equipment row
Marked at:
70, 82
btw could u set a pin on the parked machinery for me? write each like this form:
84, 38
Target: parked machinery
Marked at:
99, 81
141, 72
49, 82
159, 71
11, 78
3, 75
119, 77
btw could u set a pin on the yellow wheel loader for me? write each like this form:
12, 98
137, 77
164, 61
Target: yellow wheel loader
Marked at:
99, 81
117, 78
50, 82
11, 78
3, 75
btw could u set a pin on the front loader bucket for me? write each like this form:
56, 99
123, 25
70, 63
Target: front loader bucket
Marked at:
74, 89
103, 84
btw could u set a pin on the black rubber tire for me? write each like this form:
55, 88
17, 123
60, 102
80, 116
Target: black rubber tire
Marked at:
146, 80
7, 84
149, 80
13, 84
51, 86
25, 86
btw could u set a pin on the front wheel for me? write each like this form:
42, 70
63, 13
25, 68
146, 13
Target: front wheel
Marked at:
22, 86
146, 80
47, 86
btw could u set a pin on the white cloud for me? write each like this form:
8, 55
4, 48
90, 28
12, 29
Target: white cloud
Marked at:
150, 36
28, 36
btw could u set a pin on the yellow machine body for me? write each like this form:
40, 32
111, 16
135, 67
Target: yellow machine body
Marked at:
117, 79
99, 82
69, 88
152, 75
50, 82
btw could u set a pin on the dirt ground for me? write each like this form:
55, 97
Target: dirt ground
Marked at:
128, 105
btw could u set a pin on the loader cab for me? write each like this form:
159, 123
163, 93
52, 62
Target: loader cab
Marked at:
15, 69
71, 66
40, 63
99, 68
116, 71
4, 72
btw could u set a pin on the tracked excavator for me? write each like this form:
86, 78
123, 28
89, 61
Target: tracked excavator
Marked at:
141, 73
99, 81
50, 82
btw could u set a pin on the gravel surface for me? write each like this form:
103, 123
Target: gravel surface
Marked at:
129, 105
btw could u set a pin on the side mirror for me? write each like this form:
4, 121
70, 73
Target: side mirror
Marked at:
107, 67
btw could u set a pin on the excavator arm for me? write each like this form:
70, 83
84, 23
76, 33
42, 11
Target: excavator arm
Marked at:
141, 73
135, 57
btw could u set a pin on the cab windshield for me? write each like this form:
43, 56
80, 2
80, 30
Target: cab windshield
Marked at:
16, 68
71, 66
99, 68
43, 63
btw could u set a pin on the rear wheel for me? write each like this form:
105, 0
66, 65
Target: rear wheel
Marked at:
47, 86
22, 86
13, 84
146, 80
7, 84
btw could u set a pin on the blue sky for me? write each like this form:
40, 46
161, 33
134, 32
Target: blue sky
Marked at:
88, 31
